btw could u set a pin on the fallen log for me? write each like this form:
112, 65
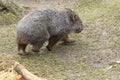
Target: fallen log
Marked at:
26, 75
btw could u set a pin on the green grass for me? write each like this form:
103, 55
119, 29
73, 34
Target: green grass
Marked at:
87, 59
102, 20
8, 18
13, 14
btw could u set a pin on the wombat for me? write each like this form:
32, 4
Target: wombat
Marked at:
43, 25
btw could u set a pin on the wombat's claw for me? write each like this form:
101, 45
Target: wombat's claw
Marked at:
35, 50
49, 48
23, 53
68, 41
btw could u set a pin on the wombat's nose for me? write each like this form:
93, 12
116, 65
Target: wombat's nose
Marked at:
82, 28
79, 30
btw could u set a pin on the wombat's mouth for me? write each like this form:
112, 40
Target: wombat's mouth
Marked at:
78, 30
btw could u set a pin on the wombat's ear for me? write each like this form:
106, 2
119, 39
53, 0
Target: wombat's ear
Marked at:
74, 17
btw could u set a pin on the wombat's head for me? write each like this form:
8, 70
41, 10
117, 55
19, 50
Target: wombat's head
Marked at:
76, 22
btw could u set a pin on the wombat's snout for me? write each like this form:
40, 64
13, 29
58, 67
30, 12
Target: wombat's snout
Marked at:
79, 30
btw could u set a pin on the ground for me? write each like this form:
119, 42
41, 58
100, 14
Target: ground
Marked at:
94, 56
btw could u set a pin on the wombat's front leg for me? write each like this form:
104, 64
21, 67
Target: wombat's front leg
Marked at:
52, 41
66, 39
21, 49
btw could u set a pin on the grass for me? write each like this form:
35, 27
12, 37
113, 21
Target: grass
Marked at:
8, 18
12, 15
89, 58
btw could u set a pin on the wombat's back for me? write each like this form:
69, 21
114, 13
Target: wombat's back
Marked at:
32, 27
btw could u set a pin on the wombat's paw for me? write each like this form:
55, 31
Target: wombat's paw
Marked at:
35, 50
23, 53
68, 41
49, 48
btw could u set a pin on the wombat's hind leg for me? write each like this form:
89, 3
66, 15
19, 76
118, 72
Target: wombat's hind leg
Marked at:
21, 49
52, 41
37, 46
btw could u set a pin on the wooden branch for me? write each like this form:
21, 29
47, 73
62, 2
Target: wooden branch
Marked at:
20, 69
